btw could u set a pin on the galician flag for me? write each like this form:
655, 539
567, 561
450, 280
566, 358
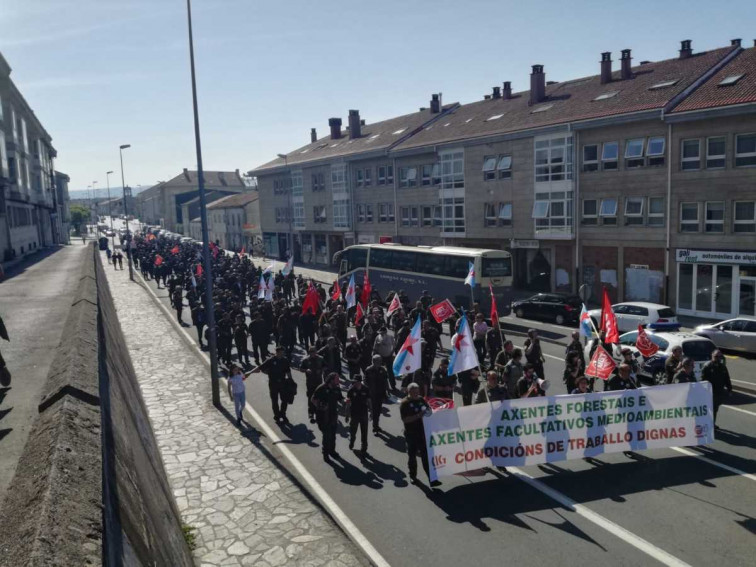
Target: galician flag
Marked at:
463, 352
261, 289
470, 279
395, 304
586, 328
408, 358
270, 269
269, 289
351, 297
289, 266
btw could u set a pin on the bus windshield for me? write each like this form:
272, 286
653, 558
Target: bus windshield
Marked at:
496, 267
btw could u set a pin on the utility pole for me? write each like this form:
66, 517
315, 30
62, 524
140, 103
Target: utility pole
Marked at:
125, 213
110, 209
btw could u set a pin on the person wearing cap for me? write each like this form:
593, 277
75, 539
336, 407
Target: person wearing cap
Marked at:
326, 400
384, 346
581, 386
412, 409
575, 347
278, 370
492, 391
629, 359
358, 408
312, 365
377, 381
353, 355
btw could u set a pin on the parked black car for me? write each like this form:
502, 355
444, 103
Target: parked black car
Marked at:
558, 307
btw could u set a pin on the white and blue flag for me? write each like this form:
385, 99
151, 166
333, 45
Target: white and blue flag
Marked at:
463, 355
408, 358
586, 328
470, 279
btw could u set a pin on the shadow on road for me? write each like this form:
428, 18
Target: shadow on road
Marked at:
28, 261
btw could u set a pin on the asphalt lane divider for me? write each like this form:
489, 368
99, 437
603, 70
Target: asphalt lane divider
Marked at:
333, 509
733, 470
615, 529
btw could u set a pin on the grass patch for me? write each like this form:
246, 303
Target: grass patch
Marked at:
189, 536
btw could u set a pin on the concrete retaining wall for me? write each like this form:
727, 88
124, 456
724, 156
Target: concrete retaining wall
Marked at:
90, 488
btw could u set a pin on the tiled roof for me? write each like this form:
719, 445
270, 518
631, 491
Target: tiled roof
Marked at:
213, 179
233, 201
711, 95
376, 136
570, 101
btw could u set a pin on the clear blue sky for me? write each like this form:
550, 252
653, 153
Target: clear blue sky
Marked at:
100, 73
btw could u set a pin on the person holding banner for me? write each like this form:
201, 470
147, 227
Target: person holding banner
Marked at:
582, 386
621, 380
412, 409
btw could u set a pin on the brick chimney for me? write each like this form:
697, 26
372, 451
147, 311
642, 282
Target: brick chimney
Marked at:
335, 125
606, 67
496, 92
626, 71
507, 90
354, 124
735, 42
435, 104
537, 85
186, 175
685, 49
313, 135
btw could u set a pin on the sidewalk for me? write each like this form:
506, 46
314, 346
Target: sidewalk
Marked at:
228, 482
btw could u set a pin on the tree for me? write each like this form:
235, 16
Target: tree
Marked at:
79, 217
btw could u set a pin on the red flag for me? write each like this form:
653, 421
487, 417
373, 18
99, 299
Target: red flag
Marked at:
158, 259
199, 270
395, 305
336, 290
494, 311
312, 300
442, 311
175, 249
366, 288
608, 320
644, 344
438, 404
602, 365
243, 251
358, 314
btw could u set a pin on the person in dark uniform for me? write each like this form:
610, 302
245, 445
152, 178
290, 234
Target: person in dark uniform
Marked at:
621, 380
377, 381
716, 372
331, 356
686, 373
326, 400
240, 340
278, 370
258, 331
411, 410
178, 304
225, 334
198, 319
469, 381
358, 407
527, 385
312, 366
339, 324
492, 391
575, 347
353, 355
673, 364
442, 384
533, 352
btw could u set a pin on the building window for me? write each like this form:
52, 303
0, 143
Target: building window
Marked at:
414, 216
590, 212
540, 210
453, 211
359, 181
714, 217
319, 214
426, 175
389, 174
382, 175
386, 212
407, 176
438, 215
368, 176
490, 215
656, 211
689, 217
505, 214
318, 182
453, 170
489, 168
360, 213
691, 155
634, 153
391, 212
504, 167
427, 215
745, 217
608, 211
655, 151
436, 174
368, 213
610, 156
296, 183
590, 158
715, 152
299, 214
405, 216
553, 159
634, 210
745, 150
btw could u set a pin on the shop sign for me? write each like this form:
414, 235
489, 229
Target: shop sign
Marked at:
639, 266
689, 256
529, 244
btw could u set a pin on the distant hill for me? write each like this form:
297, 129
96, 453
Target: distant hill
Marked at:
103, 193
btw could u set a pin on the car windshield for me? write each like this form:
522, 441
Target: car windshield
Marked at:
698, 350
666, 313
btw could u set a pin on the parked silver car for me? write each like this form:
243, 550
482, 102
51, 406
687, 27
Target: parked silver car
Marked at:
734, 334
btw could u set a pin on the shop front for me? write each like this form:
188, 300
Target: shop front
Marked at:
716, 283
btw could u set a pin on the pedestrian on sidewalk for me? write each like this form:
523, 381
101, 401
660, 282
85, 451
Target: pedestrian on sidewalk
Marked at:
326, 401
120, 261
412, 409
237, 391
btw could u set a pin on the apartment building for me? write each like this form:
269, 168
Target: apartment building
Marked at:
619, 180
29, 206
227, 217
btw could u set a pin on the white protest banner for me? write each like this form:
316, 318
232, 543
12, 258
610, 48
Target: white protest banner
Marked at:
530, 431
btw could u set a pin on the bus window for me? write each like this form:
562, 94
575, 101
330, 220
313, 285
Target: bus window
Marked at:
356, 258
380, 258
456, 266
403, 260
430, 264
496, 267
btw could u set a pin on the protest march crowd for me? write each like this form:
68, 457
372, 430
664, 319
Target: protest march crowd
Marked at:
357, 346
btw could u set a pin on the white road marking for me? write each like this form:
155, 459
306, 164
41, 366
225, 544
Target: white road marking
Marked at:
728, 468
615, 529
743, 382
325, 499
733, 408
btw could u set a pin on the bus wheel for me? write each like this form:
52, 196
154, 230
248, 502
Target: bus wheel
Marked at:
520, 313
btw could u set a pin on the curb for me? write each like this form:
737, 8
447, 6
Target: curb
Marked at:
315, 493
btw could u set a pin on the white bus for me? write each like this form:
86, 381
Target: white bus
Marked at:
439, 269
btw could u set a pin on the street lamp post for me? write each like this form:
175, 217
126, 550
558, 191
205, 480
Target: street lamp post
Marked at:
209, 307
110, 209
125, 213
94, 203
